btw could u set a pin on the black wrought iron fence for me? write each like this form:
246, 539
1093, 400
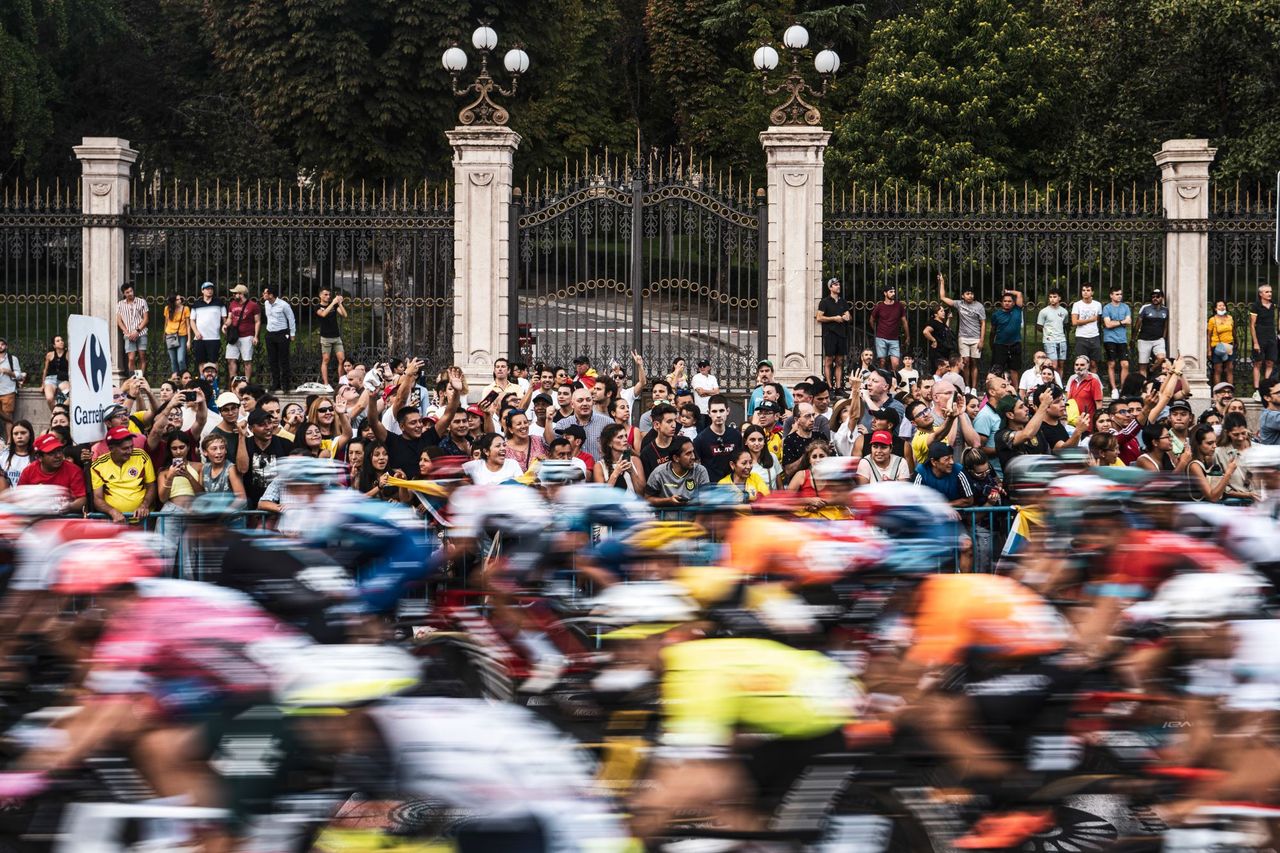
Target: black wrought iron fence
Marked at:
40, 268
1022, 238
387, 248
666, 259
1241, 257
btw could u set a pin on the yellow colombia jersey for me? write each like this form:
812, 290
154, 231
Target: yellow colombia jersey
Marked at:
712, 689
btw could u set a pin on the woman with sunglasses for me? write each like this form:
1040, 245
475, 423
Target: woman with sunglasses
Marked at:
335, 428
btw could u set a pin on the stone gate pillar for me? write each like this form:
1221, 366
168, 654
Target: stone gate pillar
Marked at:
482, 157
794, 157
105, 169
1184, 179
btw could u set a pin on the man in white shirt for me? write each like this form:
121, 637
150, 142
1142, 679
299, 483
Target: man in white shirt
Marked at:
1031, 378
704, 386
1084, 318
282, 327
207, 314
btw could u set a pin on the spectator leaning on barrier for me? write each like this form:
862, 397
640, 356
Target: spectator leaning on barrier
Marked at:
131, 319
124, 480
941, 473
51, 468
676, 482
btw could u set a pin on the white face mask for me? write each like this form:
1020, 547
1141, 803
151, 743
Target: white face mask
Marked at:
1222, 312
1217, 429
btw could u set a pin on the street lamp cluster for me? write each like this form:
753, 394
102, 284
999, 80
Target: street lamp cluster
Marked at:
483, 110
795, 110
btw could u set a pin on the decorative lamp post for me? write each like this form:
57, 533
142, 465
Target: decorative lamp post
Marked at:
483, 110
795, 110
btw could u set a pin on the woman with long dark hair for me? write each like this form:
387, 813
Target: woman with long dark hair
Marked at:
618, 465
57, 372
763, 462
177, 332
491, 464
17, 455
522, 446
374, 473
1208, 478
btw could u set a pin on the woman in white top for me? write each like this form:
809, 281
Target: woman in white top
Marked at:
493, 466
17, 456
618, 466
882, 464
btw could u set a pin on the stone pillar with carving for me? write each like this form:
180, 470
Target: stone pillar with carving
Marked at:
1184, 179
482, 156
794, 158
105, 169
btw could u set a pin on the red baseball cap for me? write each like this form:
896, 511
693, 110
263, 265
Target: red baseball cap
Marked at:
475, 410
48, 443
119, 434
882, 436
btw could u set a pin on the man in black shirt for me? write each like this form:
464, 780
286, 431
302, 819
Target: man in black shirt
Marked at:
796, 442
1021, 432
404, 450
331, 308
834, 317
656, 445
716, 445
1053, 432
264, 449
1262, 329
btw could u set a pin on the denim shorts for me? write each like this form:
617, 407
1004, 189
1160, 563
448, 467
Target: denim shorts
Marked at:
886, 348
1220, 354
1056, 350
140, 345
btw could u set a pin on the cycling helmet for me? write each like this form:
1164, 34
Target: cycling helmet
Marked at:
306, 470
1166, 488
663, 536
512, 510
1025, 477
1263, 457
557, 472
644, 602
336, 676
716, 498
80, 568
1209, 596
580, 506
215, 506
924, 529
33, 500
836, 469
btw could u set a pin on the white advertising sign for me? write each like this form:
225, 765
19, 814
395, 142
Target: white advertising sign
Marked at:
89, 346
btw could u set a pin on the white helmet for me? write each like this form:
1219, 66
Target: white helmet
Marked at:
1209, 596
345, 675
1262, 457
644, 602
510, 509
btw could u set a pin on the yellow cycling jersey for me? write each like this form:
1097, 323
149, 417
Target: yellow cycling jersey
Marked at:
714, 689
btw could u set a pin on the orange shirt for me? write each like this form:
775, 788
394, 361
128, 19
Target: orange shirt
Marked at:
991, 615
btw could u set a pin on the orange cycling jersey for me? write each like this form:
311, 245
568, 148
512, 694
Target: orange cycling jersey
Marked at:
991, 616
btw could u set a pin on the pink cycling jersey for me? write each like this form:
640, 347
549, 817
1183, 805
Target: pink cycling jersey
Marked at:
158, 641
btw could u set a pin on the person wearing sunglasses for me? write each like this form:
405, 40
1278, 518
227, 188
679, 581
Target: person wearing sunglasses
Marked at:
335, 427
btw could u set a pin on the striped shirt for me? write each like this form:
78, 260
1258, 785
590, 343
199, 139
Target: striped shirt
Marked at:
132, 313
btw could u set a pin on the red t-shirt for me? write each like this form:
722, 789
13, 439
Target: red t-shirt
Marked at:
68, 476
1086, 393
242, 315
886, 318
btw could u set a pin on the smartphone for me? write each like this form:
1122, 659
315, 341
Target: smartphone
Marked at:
137, 374
626, 456
489, 398
188, 396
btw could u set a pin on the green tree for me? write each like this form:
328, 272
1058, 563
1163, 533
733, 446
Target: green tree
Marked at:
960, 90
39, 39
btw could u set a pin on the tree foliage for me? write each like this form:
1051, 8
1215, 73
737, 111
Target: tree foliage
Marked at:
954, 90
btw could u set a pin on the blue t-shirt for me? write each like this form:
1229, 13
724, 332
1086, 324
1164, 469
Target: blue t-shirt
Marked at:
952, 487
1268, 427
988, 423
1120, 334
1007, 325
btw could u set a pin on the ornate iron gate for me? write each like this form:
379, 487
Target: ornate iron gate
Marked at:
388, 250
665, 260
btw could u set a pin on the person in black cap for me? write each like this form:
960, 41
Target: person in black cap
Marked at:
1153, 319
582, 367
941, 473
834, 316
